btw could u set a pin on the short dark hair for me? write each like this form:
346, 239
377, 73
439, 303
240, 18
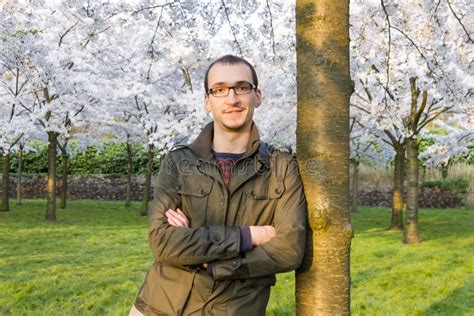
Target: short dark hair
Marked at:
229, 60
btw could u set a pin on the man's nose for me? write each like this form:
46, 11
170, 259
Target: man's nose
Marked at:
232, 97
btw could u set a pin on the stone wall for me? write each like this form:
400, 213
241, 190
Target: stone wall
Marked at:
429, 198
107, 187
97, 187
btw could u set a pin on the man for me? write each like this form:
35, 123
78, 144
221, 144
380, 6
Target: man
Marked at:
229, 210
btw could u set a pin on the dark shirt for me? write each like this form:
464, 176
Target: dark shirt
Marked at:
226, 162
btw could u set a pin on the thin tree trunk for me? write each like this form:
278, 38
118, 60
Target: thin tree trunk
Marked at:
355, 186
444, 171
128, 189
423, 173
397, 193
19, 177
147, 187
324, 90
63, 195
51, 188
411, 234
5, 183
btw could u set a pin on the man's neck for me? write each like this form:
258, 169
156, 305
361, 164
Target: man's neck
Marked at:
230, 141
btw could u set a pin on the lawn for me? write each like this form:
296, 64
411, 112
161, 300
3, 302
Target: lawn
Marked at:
93, 260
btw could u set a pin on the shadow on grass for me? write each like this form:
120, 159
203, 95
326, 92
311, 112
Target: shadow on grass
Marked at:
455, 303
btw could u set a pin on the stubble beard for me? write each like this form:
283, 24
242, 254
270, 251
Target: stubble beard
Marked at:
237, 128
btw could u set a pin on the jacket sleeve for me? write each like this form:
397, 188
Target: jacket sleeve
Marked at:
180, 246
282, 253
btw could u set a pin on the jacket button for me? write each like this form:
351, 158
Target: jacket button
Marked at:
178, 187
215, 238
253, 193
235, 263
277, 191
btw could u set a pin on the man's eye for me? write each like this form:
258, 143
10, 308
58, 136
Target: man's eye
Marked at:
219, 90
243, 89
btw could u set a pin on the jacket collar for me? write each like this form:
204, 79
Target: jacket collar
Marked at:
202, 146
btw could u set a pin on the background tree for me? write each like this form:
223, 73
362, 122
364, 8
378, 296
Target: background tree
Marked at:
15, 123
431, 55
365, 148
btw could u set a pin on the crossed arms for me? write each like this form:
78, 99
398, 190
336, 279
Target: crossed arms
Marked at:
277, 248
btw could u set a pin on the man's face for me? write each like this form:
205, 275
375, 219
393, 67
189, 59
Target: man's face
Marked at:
232, 112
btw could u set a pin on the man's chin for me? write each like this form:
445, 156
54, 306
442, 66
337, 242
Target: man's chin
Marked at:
235, 127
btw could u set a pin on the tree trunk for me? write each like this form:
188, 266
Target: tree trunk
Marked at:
411, 234
324, 90
19, 175
444, 171
51, 189
397, 193
147, 187
65, 161
5, 183
422, 173
355, 186
128, 189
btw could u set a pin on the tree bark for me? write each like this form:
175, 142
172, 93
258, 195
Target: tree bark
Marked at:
51, 188
355, 186
324, 90
411, 234
128, 188
19, 177
5, 183
397, 193
65, 161
147, 187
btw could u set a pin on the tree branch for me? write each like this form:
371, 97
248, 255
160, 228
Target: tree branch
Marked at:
469, 38
422, 107
360, 108
65, 33
272, 33
388, 52
231, 28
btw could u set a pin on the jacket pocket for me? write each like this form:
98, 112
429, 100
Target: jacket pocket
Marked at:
197, 186
194, 191
261, 198
265, 189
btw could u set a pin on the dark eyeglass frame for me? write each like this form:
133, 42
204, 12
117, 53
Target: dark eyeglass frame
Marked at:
242, 84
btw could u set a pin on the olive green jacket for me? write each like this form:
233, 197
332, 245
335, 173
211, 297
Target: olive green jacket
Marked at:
265, 189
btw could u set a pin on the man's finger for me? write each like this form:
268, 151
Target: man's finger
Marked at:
172, 219
183, 216
172, 222
177, 218
176, 222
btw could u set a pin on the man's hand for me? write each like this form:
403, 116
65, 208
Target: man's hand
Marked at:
261, 234
177, 218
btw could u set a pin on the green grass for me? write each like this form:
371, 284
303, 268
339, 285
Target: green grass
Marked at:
94, 258
434, 277
90, 262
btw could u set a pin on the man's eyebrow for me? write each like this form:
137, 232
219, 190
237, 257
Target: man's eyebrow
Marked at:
229, 84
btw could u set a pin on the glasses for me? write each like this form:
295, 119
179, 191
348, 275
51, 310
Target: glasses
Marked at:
244, 88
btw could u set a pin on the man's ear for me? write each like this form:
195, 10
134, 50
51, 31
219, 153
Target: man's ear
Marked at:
258, 95
207, 105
